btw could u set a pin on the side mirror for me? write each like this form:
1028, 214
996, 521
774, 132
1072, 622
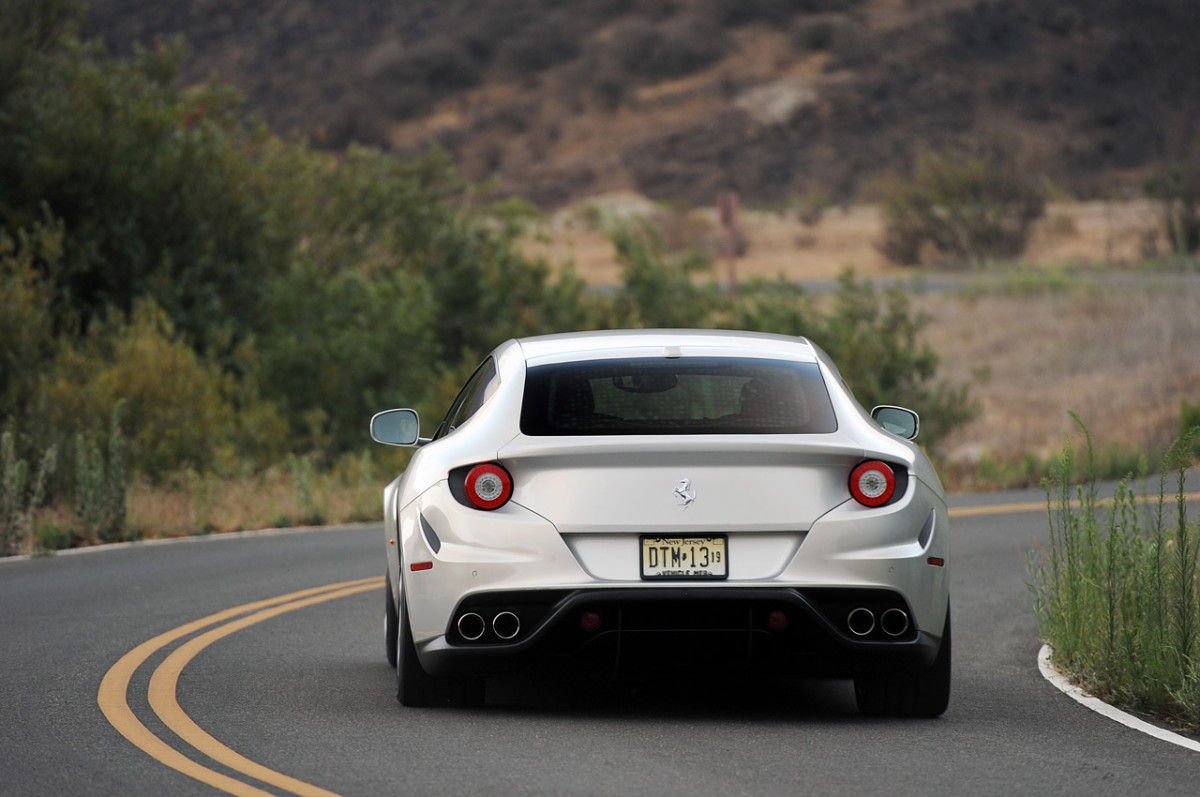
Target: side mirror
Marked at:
898, 421
396, 428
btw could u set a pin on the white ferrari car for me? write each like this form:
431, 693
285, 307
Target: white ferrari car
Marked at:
666, 505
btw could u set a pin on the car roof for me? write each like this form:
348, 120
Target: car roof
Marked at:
668, 343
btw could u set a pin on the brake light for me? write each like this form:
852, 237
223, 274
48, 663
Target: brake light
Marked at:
872, 483
488, 486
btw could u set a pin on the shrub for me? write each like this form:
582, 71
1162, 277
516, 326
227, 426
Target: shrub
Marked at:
27, 317
961, 201
873, 337
543, 42
156, 186
649, 52
658, 291
178, 404
1178, 189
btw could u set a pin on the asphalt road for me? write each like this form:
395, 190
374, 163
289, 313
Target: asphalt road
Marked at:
308, 695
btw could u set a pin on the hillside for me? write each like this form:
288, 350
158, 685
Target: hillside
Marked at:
681, 99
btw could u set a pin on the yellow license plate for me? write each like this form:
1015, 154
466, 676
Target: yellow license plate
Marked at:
684, 558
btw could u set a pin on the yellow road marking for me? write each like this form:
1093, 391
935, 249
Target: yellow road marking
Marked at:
114, 689
165, 680
1040, 506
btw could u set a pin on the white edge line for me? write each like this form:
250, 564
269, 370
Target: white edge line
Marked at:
216, 535
1100, 707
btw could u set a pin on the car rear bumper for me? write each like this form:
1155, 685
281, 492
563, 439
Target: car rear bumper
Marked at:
826, 631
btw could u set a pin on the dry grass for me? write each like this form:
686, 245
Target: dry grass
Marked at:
191, 504
1121, 358
1084, 234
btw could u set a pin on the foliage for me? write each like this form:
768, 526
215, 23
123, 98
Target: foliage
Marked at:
27, 317
101, 482
1118, 588
1189, 422
303, 479
873, 338
156, 186
962, 201
658, 290
180, 406
19, 499
240, 301
1178, 189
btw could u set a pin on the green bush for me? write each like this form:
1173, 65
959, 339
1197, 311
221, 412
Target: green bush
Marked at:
179, 406
961, 201
658, 290
27, 313
158, 187
873, 337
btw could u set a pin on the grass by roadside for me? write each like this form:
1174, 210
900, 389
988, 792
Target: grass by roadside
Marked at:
190, 504
1117, 588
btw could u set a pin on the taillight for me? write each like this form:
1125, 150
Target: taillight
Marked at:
872, 483
488, 486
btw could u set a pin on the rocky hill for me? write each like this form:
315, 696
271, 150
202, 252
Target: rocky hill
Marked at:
682, 99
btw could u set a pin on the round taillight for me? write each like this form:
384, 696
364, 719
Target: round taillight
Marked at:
488, 486
872, 483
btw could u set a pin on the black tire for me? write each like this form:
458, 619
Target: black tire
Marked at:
417, 688
923, 694
391, 622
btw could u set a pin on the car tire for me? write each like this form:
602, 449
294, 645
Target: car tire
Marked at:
391, 622
923, 694
418, 689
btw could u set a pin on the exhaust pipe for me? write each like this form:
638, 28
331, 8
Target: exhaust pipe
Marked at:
861, 621
471, 626
506, 625
894, 622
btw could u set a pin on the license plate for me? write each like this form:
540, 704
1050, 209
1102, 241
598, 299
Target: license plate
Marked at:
684, 558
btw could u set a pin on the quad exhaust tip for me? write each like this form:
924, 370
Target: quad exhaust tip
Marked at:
471, 626
506, 625
861, 621
894, 622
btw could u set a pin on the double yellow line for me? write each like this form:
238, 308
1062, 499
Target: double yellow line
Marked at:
114, 693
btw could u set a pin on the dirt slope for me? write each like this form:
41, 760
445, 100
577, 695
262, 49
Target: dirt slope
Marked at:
682, 99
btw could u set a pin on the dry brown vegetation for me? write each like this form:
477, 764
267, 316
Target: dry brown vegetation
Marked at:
1119, 357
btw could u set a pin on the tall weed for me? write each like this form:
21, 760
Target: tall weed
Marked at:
313, 510
101, 483
19, 500
1117, 590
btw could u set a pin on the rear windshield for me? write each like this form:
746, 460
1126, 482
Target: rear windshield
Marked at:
693, 395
